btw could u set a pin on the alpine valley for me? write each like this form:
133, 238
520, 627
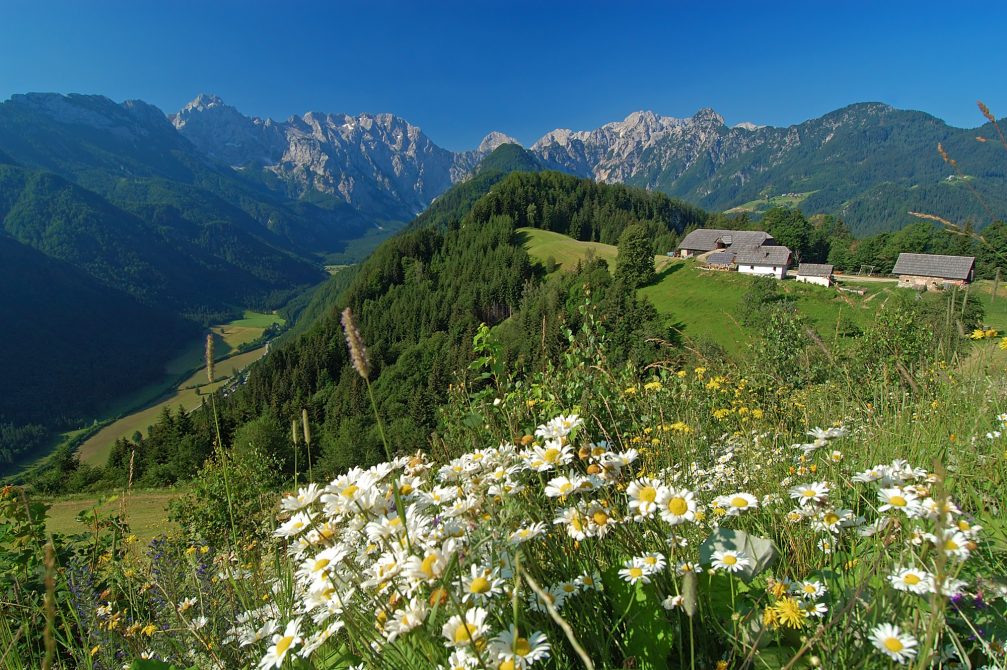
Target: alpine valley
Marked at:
125, 232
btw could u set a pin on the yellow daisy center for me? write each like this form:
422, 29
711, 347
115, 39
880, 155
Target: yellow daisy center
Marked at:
831, 518
349, 491
950, 545
551, 454
729, 559
284, 644
897, 501
522, 647
600, 518
893, 644
427, 566
678, 506
479, 585
648, 494
635, 573
321, 564
464, 633
738, 501
912, 579
809, 493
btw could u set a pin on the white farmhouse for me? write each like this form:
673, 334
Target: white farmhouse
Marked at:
766, 261
815, 273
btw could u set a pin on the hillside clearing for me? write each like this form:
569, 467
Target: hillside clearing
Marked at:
145, 511
567, 252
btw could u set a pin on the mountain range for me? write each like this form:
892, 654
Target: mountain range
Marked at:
868, 163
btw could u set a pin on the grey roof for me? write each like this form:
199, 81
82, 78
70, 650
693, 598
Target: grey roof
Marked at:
933, 265
720, 258
763, 256
814, 270
708, 239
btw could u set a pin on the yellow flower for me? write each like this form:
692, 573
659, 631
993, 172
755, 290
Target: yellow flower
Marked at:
190, 551
1003, 343
758, 413
629, 390
978, 334
681, 374
149, 629
790, 613
95, 649
652, 386
700, 372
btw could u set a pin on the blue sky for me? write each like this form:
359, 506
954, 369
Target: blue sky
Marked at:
461, 69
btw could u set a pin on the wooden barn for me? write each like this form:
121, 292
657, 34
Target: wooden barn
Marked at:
815, 273
932, 272
704, 240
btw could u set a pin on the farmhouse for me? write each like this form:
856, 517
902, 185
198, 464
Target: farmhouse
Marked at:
933, 272
815, 273
771, 261
703, 240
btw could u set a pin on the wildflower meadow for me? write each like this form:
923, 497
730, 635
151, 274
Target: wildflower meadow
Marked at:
585, 515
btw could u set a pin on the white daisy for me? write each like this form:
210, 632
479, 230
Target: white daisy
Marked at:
461, 632
512, 650
912, 580
731, 561
643, 495
281, 646
815, 492
676, 505
891, 641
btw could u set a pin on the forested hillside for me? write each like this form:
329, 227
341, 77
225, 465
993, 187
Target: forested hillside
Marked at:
69, 344
419, 300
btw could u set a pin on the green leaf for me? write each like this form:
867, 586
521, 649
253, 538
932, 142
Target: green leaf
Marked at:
648, 635
762, 551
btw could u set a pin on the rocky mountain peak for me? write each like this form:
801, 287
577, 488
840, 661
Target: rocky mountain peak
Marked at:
494, 139
708, 116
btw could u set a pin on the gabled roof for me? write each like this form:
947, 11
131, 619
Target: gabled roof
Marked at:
814, 270
721, 258
708, 239
933, 265
763, 256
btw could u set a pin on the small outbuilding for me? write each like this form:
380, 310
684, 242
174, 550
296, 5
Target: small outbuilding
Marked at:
721, 260
767, 261
932, 272
703, 240
815, 273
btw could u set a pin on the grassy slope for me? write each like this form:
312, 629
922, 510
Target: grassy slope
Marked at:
543, 244
703, 304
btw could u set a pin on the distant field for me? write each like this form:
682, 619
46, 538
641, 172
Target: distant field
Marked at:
145, 511
768, 202
567, 252
189, 394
